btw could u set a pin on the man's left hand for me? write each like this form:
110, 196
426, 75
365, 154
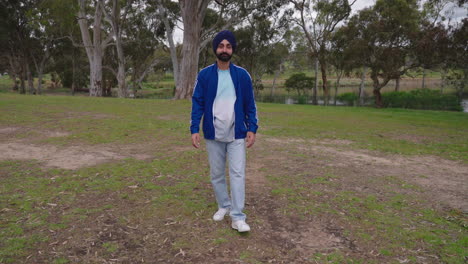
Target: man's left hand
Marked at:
250, 139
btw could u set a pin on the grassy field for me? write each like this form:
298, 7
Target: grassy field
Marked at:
105, 180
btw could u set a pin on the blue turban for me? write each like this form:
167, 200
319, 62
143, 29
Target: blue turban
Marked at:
224, 35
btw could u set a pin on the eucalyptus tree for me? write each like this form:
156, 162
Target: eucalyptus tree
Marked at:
144, 45
60, 30
115, 14
431, 46
280, 55
437, 25
90, 19
46, 34
349, 47
318, 19
71, 65
169, 13
17, 42
262, 46
111, 20
458, 57
300, 56
192, 13
197, 34
384, 37
340, 57
433, 36
8, 52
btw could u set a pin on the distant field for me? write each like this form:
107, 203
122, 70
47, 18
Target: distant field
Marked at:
107, 180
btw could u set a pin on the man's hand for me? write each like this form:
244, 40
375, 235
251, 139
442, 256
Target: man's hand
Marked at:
250, 139
196, 140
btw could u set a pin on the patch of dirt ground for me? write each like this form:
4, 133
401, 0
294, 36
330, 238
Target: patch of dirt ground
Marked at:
68, 157
276, 237
445, 181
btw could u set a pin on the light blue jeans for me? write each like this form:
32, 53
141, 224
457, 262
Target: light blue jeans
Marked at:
235, 153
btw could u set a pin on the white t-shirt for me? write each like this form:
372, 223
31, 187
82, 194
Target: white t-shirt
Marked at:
223, 107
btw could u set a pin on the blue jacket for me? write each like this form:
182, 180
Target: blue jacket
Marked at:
204, 95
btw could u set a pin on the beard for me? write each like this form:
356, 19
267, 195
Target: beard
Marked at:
224, 57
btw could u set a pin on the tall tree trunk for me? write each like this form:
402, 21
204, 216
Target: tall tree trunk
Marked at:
397, 84
139, 79
326, 92
377, 87
31, 89
13, 72
122, 91
114, 18
172, 46
95, 48
424, 79
378, 97
40, 69
278, 71
193, 13
22, 76
39, 82
362, 86
73, 86
314, 92
96, 77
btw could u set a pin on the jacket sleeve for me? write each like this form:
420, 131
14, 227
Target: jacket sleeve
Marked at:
251, 107
198, 107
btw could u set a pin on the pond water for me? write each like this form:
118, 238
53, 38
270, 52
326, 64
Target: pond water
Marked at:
288, 100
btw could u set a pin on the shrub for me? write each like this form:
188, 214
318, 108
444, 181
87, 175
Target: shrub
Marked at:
302, 99
299, 82
422, 99
348, 98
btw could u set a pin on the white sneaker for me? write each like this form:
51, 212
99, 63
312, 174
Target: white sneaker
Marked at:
219, 215
241, 226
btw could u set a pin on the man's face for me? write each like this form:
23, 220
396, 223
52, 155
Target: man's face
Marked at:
224, 51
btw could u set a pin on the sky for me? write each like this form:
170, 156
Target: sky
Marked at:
361, 4
457, 13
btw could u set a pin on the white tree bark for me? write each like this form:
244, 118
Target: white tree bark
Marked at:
163, 14
40, 68
193, 13
94, 48
114, 18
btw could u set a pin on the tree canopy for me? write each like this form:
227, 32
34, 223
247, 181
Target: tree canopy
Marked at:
103, 44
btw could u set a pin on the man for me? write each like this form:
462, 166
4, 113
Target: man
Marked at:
223, 95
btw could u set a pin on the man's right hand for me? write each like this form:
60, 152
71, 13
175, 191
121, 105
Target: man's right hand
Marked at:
196, 140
